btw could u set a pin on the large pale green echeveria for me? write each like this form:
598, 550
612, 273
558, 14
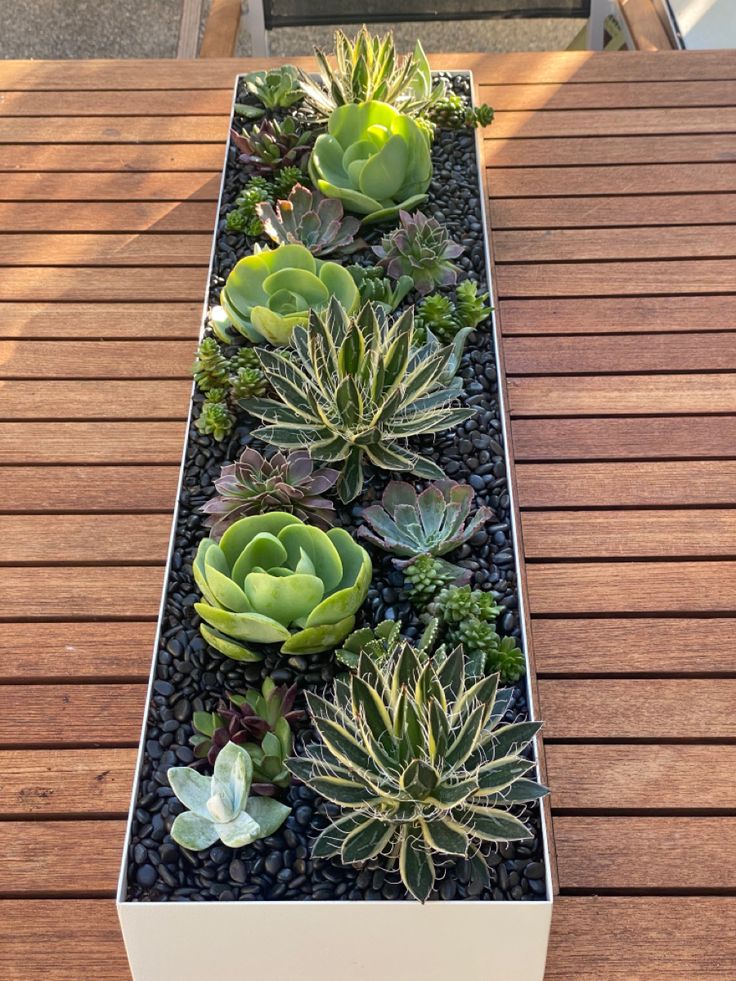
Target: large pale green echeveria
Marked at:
375, 159
271, 291
275, 580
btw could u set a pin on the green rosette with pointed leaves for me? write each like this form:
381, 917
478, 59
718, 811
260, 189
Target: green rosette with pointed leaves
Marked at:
375, 159
273, 579
268, 293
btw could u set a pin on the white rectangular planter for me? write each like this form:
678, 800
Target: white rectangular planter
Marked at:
466, 940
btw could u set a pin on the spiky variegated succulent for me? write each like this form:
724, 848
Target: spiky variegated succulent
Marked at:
277, 88
271, 291
414, 753
273, 145
219, 806
373, 158
433, 523
255, 484
275, 580
376, 288
309, 219
260, 722
422, 249
352, 387
368, 68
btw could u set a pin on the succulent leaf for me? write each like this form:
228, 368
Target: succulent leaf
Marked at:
421, 249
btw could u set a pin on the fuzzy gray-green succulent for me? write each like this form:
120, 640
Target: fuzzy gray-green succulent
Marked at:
353, 387
414, 753
219, 807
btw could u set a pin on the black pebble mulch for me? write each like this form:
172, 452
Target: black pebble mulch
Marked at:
191, 677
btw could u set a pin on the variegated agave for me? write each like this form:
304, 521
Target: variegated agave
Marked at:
415, 754
354, 386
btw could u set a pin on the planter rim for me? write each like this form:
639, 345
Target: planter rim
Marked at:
121, 899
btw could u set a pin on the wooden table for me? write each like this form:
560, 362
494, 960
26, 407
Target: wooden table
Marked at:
613, 201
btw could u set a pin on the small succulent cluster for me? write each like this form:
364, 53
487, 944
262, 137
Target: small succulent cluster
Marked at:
255, 484
413, 751
421, 249
220, 807
272, 579
260, 722
368, 69
244, 217
277, 88
307, 218
468, 616
354, 387
444, 318
223, 381
452, 112
272, 145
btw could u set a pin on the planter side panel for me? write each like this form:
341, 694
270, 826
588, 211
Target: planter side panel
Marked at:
337, 941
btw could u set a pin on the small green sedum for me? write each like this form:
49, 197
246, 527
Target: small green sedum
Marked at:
219, 807
275, 580
375, 159
268, 293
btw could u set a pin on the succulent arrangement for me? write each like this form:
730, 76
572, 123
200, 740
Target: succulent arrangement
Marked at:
273, 579
353, 387
413, 751
307, 218
421, 249
368, 69
255, 484
374, 159
268, 293
411, 747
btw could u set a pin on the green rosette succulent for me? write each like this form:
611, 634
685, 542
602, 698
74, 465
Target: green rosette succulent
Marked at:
375, 159
268, 293
272, 579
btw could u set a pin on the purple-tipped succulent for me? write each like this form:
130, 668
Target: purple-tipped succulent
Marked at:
422, 249
255, 484
260, 722
308, 218
433, 522
273, 145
